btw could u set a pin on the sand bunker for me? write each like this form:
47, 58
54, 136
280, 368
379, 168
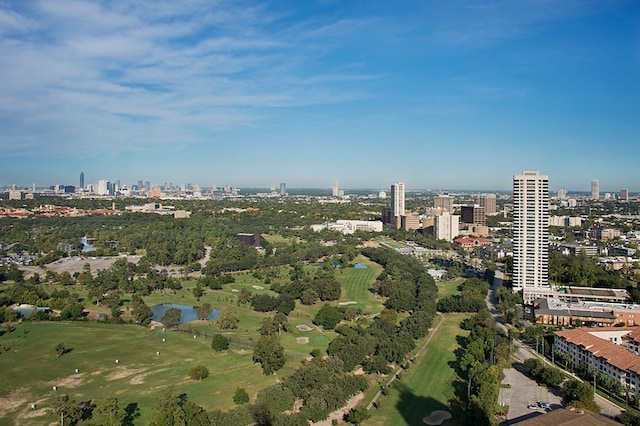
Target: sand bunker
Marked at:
436, 418
235, 290
258, 287
303, 327
302, 340
347, 303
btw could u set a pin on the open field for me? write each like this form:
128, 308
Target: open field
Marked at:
449, 287
427, 385
31, 369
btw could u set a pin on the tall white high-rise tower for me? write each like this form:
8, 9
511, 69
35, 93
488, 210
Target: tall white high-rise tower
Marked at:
531, 234
595, 189
335, 188
397, 200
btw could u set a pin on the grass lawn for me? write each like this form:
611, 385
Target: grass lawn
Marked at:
356, 284
449, 287
427, 385
31, 369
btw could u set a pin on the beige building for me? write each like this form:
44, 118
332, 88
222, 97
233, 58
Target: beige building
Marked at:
446, 226
444, 202
488, 201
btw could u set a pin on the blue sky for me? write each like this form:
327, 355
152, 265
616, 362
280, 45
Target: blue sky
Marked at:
456, 94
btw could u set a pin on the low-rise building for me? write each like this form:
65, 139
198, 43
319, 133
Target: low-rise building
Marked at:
470, 244
604, 351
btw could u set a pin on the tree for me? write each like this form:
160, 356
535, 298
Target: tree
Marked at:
199, 372
356, 415
67, 409
244, 296
171, 317
61, 349
219, 343
112, 412
173, 409
228, 318
240, 396
141, 312
270, 354
204, 311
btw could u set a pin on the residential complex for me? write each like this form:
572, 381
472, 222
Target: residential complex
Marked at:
397, 202
595, 189
531, 234
612, 352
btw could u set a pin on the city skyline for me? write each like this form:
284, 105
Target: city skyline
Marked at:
456, 95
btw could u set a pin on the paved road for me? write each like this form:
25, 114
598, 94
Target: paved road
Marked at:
532, 392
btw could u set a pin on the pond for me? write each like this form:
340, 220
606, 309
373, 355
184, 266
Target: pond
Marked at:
189, 313
359, 266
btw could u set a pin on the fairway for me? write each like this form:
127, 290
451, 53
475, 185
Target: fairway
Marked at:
146, 365
357, 284
427, 385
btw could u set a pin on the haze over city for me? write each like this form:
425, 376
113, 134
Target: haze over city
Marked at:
459, 94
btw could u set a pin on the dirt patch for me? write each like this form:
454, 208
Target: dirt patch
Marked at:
13, 400
67, 382
302, 340
35, 413
124, 373
303, 327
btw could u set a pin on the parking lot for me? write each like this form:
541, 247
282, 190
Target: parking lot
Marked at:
524, 392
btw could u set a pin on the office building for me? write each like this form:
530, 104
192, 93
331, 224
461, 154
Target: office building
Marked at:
488, 201
283, 189
443, 202
446, 226
595, 189
624, 195
561, 194
104, 187
335, 188
531, 234
81, 180
474, 215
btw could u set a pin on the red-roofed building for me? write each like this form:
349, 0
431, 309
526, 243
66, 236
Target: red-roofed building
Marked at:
607, 351
470, 243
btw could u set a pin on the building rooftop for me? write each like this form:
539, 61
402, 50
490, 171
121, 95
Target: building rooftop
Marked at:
568, 417
614, 354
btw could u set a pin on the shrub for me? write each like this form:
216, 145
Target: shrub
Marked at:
219, 343
240, 396
199, 372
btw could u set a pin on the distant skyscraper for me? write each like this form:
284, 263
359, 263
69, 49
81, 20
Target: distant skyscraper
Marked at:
531, 234
81, 180
283, 189
624, 194
561, 194
488, 201
103, 187
444, 202
595, 189
397, 202
335, 188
